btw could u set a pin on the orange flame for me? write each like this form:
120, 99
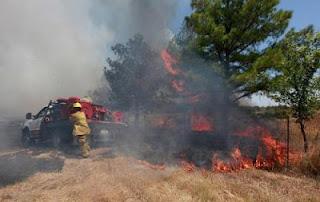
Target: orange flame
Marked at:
187, 166
272, 153
169, 62
178, 85
237, 162
195, 99
201, 123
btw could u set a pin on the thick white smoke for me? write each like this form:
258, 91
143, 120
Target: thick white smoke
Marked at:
57, 47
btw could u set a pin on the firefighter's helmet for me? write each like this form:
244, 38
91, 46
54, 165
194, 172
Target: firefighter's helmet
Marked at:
76, 105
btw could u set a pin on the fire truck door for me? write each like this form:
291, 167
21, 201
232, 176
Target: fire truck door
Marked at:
35, 125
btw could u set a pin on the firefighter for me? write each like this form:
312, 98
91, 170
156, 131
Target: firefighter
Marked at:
81, 128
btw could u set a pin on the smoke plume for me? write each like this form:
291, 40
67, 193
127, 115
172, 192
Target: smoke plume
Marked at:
58, 48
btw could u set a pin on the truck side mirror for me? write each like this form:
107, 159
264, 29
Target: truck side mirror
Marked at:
29, 116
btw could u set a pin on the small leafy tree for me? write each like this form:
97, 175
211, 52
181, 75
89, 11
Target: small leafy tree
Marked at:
232, 32
135, 75
297, 81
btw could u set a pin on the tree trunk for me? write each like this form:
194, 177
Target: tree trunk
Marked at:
225, 106
225, 121
304, 135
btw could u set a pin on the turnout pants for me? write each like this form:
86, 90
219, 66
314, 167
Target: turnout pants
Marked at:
84, 145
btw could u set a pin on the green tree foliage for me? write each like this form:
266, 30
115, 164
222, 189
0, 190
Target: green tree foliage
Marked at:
297, 81
135, 75
236, 33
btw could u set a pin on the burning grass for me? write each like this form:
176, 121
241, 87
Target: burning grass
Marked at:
253, 148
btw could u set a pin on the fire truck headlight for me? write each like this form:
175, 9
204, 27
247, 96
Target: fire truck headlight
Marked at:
104, 132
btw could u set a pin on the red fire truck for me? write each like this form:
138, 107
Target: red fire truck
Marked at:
52, 124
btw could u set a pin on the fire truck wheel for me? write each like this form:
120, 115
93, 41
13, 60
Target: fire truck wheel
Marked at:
26, 138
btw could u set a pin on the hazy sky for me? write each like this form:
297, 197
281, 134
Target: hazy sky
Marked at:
58, 48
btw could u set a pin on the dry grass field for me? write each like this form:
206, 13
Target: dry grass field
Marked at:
310, 163
44, 174
53, 176
296, 141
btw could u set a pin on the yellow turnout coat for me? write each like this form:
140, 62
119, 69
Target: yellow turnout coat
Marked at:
80, 124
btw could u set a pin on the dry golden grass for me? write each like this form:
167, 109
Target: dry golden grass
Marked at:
296, 141
310, 163
106, 178
103, 178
